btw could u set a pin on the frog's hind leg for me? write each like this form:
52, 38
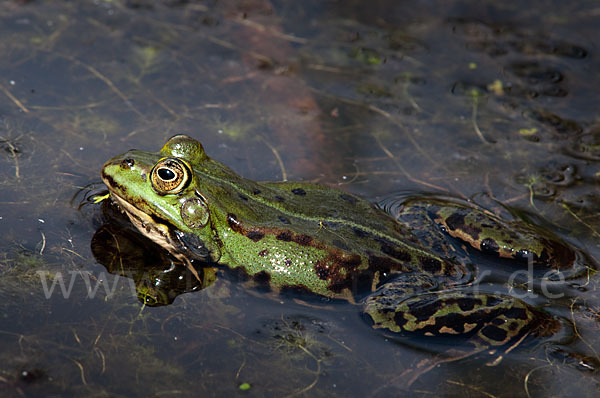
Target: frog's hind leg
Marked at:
467, 322
482, 320
436, 219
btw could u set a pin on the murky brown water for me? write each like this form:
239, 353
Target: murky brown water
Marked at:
498, 103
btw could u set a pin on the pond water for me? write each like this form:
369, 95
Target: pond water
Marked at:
478, 100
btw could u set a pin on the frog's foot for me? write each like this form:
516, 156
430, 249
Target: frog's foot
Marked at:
466, 321
484, 231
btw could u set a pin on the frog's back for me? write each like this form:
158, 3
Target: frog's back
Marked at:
322, 239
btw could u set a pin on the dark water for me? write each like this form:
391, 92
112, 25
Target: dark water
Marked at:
498, 103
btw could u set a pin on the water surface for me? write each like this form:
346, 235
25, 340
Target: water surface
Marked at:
497, 103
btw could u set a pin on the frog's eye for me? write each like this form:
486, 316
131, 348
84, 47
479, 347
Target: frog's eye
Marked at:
169, 176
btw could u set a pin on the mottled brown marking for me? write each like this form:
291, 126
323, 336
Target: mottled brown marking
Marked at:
302, 239
425, 308
391, 251
494, 333
431, 265
339, 269
385, 264
516, 313
467, 303
263, 253
456, 221
399, 319
255, 235
322, 270
284, 236
234, 224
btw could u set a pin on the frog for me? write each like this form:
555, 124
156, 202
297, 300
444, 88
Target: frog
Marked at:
304, 237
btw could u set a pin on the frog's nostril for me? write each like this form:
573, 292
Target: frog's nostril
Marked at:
128, 162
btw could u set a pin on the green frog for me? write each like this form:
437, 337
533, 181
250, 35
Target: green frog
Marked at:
300, 236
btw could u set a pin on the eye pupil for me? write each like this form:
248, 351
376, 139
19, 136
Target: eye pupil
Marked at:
166, 174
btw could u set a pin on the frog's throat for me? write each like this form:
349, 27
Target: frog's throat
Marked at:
149, 226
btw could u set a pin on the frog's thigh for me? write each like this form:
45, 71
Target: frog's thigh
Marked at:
486, 320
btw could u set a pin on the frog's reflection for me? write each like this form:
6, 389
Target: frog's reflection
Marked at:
158, 279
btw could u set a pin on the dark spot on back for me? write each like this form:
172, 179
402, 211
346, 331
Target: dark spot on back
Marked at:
279, 198
283, 219
348, 198
263, 253
129, 162
284, 236
242, 196
287, 262
255, 235
299, 191
144, 177
256, 191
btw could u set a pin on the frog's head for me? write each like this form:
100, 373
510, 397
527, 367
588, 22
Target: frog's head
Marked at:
157, 190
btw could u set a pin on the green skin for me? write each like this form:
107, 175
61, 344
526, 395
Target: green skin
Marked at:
324, 241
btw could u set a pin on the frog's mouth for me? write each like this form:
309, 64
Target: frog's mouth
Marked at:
155, 229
